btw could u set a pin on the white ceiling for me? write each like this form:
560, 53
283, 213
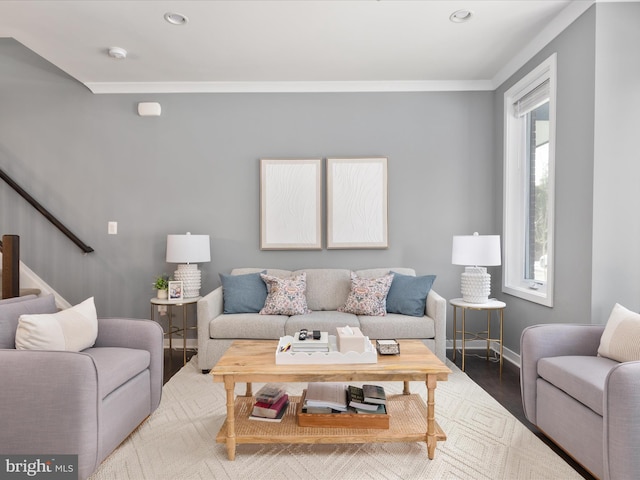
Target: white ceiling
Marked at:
294, 45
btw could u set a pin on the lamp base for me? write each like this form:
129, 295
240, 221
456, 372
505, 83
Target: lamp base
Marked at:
475, 285
191, 279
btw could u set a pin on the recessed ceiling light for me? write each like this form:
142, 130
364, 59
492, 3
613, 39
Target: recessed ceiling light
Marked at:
117, 53
461, 16
175, 18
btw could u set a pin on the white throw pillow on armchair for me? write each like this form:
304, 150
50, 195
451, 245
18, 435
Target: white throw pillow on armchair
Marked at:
620, 340
73, 329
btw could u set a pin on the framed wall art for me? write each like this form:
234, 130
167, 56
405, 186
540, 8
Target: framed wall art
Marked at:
290, 204
357, 203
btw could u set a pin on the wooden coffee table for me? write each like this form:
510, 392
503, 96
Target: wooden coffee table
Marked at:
411, 420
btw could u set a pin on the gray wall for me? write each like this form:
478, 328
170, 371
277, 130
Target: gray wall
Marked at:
616, 203
91, 159
574, 180
597, 167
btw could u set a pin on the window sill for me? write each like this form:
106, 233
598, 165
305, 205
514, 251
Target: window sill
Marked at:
539, 296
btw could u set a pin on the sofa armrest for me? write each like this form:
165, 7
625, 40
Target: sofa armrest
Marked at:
49, 404
437, 310
209, 307
622, 422
139, 334
551, 340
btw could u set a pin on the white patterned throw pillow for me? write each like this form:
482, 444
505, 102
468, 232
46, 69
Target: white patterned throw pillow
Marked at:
368, 296
287, 296
620, 340
73, 329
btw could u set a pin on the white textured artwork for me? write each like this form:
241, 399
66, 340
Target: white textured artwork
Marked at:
290, 204
357, 203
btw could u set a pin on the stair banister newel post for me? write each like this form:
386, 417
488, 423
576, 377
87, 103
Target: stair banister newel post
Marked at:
10, 266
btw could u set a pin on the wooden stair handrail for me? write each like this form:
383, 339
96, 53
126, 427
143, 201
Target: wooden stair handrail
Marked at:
49, 216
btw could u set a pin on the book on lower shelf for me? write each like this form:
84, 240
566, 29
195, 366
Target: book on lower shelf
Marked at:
267, 410
270, 393
277, 418
356, 399
374, 394
326, 395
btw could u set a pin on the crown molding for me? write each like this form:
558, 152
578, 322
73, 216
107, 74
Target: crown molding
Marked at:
546, 35
289, 87
551, 31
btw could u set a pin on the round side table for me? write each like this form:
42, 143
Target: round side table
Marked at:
184, 303
491, 306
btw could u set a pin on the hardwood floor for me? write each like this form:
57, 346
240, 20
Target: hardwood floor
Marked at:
485, 373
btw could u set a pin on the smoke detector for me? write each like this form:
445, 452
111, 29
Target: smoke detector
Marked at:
117, 53
461, 16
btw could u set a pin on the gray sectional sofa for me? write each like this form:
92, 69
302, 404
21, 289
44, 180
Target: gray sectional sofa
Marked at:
326, 291
78, 403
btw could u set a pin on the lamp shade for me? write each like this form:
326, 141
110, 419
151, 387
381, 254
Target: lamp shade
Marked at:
476, 250
188, 248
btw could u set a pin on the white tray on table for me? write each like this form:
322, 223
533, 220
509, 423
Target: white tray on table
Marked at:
333, 356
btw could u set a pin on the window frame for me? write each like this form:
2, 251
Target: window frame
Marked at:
515, 191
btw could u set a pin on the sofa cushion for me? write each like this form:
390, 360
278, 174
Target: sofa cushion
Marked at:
378, 272
621, 337
581, 377
247, 325
73, 329
394, 325
117, 366
368, 295
243, 293
408, 294
327, 288
276, 272
287, 296
325, 321
12, 308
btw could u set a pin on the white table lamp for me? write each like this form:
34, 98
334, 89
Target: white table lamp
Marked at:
188, 250
472, 251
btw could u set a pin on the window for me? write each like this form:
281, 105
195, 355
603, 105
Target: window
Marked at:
529, 154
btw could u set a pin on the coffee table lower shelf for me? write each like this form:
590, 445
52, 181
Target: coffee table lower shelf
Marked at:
407, 423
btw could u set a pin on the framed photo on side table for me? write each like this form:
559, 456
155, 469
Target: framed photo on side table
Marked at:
175, 290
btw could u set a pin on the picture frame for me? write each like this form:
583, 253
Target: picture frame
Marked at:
176, 290
290, 204
357, 203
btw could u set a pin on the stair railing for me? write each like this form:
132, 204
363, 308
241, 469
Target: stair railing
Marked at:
48, 215
10, 266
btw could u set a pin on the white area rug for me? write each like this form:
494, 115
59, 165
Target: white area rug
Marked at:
484, 441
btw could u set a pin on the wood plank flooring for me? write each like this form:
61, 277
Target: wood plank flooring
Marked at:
485, 373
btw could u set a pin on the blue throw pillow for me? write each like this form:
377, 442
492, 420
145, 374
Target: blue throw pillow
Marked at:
243, 293
408, 294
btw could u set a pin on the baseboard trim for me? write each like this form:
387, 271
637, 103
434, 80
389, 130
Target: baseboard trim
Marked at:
508, 355
177, 343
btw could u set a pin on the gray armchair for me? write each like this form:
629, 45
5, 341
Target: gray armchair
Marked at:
587, 404
84, 403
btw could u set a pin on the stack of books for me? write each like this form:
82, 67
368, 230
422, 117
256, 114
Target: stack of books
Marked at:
309, 344
271, 403
332, 405
325, 397
368, 399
